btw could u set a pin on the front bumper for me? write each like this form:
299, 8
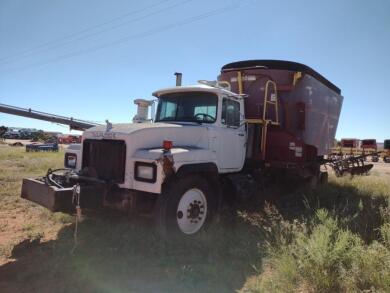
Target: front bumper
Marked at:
60, 199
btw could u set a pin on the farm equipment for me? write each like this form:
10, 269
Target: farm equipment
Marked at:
3, 131
354, 149
39, 147
353, 165
207, 141
386, 153
11, 134
348, 147
68, 139
369, 147
75, 124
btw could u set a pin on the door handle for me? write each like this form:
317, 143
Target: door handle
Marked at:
241, 134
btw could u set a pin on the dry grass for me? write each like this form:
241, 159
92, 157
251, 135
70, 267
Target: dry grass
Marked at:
254, 248
21, 220
114, 253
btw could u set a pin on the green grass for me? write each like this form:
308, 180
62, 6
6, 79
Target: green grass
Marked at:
332, 239
327, 258
17, 164
338, 243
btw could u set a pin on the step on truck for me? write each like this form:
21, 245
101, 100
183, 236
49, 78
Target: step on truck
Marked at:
259, 117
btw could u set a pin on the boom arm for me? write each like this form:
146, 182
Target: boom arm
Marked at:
75, 124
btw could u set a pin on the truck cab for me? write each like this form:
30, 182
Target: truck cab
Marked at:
201, 124
219, 111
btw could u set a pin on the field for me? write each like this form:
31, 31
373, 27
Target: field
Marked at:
332, 239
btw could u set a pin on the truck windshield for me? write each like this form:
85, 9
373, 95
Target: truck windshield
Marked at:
200, 107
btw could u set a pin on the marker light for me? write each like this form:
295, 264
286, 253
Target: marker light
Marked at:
167, 145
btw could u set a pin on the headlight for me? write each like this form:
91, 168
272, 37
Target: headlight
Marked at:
70, 160
146, 172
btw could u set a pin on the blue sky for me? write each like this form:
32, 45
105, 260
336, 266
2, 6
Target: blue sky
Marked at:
134, 47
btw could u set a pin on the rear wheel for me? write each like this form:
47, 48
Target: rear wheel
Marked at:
185, 208
317, 180
324, 178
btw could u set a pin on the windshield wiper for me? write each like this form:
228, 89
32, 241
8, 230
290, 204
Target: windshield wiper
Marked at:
184, 119
195, 121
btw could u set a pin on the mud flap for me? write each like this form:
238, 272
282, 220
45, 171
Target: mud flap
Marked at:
60, 199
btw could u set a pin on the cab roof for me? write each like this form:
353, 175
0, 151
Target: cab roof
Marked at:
194, 88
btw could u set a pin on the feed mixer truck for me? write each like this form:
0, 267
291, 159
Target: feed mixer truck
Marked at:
207, 140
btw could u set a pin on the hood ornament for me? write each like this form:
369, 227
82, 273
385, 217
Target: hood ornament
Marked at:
108, 125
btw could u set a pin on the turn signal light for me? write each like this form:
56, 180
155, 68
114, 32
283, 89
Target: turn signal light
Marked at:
167, 144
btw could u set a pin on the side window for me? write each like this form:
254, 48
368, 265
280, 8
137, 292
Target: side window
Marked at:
230, 113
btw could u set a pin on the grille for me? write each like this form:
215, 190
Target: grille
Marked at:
106, 157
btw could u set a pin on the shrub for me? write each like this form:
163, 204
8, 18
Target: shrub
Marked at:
323, 257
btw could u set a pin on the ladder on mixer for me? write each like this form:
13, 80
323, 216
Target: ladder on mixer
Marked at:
265, 121
272, 100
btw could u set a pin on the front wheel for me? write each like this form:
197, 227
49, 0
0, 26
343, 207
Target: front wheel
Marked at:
185, 208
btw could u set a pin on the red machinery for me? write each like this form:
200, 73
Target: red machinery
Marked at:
292, 112
369, 147
68, 139
348, 147
349, 143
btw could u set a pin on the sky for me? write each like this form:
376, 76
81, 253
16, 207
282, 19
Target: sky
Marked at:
90, 59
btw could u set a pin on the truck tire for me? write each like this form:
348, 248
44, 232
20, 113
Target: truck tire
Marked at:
324, 178
318, 180
185, 208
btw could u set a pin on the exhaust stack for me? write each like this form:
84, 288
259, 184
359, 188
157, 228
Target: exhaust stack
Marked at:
178, 78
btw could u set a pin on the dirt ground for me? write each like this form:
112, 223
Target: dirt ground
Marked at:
381, 169
118, 254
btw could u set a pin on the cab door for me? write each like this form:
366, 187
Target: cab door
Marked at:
231, 137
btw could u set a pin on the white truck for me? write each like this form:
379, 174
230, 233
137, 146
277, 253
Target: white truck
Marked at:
177, 167
175, 161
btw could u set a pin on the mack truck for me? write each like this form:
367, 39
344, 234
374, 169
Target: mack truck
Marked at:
205, 142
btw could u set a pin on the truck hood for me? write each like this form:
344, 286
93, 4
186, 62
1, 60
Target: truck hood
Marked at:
191, 143
127, 128
151, 135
